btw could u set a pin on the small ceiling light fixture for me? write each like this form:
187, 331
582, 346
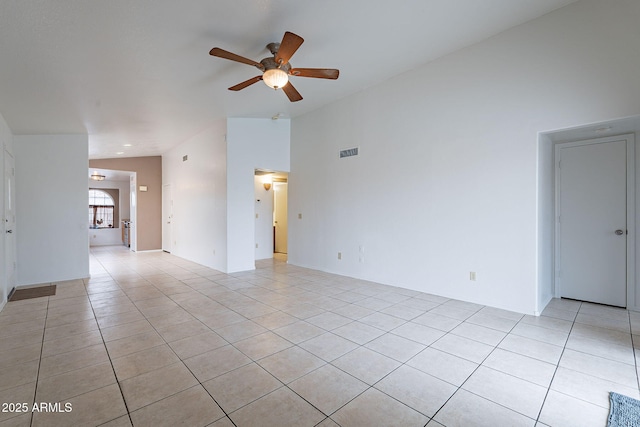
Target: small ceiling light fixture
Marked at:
97, 177
266, 181
275, 78
126, 145
120, 152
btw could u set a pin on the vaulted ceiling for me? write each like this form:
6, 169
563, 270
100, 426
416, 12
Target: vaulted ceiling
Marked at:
137, 77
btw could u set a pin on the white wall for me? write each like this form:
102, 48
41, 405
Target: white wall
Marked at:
251, 144
111, 236
448, 176
51, 207
199, 187
264, 219
6, 143
546, 223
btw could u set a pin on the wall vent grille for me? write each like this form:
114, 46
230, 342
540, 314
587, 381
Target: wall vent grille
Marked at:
349, 152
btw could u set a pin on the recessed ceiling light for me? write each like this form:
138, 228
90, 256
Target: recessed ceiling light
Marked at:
120, 152
126, 145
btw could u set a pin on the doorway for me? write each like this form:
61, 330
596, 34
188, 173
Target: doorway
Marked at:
594, 213
280, 226
9, 226
167, 218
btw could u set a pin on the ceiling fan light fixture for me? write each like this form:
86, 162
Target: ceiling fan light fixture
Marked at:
97, 177
275, 78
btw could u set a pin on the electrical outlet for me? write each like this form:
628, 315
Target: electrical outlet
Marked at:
339, 255
299, 216
257, 215
472, 276
256, 246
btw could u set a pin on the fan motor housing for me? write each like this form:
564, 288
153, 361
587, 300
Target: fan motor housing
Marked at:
270, 63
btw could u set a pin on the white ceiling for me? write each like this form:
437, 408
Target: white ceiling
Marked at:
138, 71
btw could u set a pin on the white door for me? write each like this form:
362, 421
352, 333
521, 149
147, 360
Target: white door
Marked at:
167, 217
10, 223
280, 216
133, 238
592, 223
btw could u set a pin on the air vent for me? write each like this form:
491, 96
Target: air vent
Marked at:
349, 152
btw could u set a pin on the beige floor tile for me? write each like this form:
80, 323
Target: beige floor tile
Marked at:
424, 335
352, 311
119, 319
241, 386
447, 367
182, 330
123, 421
153, 386
191, 407
144, 361
403, 311
70, 343
65, 331
479, 333
240, 331
74, 383
275, 320
548, 322
328, 388
422, 392
465, 348
536, 349
123, 331
90, 409
395, 347
173, 318
73, 360
299, 332
374, 408
383, 321
216, 362
133, 344
65, 319
23, 420
524, 367
437, 321
262, 345
291, 364
328, 346
366, 365
20, 328
359, 333
566, 411
540, 333
19, 355
619, 353
279, 408
599, 367
467, 409
589, 388
22, 340
328, 320
19, 374
21, 394
506, 390
197, 344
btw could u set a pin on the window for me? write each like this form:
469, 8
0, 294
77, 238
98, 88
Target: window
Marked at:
101, 209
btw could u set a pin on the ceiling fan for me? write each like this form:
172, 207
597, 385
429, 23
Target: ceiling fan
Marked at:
277, 69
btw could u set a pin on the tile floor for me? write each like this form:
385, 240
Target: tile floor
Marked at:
151, 340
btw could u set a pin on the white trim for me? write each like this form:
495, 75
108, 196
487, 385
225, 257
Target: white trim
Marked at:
631, 209
150, 250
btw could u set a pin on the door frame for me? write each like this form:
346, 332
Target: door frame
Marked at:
630, 214
167, 233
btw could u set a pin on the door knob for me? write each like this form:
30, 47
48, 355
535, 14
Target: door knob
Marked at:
619, 232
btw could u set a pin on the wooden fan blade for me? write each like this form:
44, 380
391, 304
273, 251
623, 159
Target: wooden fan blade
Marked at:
291, 92
246, 83
288, 46
221, 53
318, 73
